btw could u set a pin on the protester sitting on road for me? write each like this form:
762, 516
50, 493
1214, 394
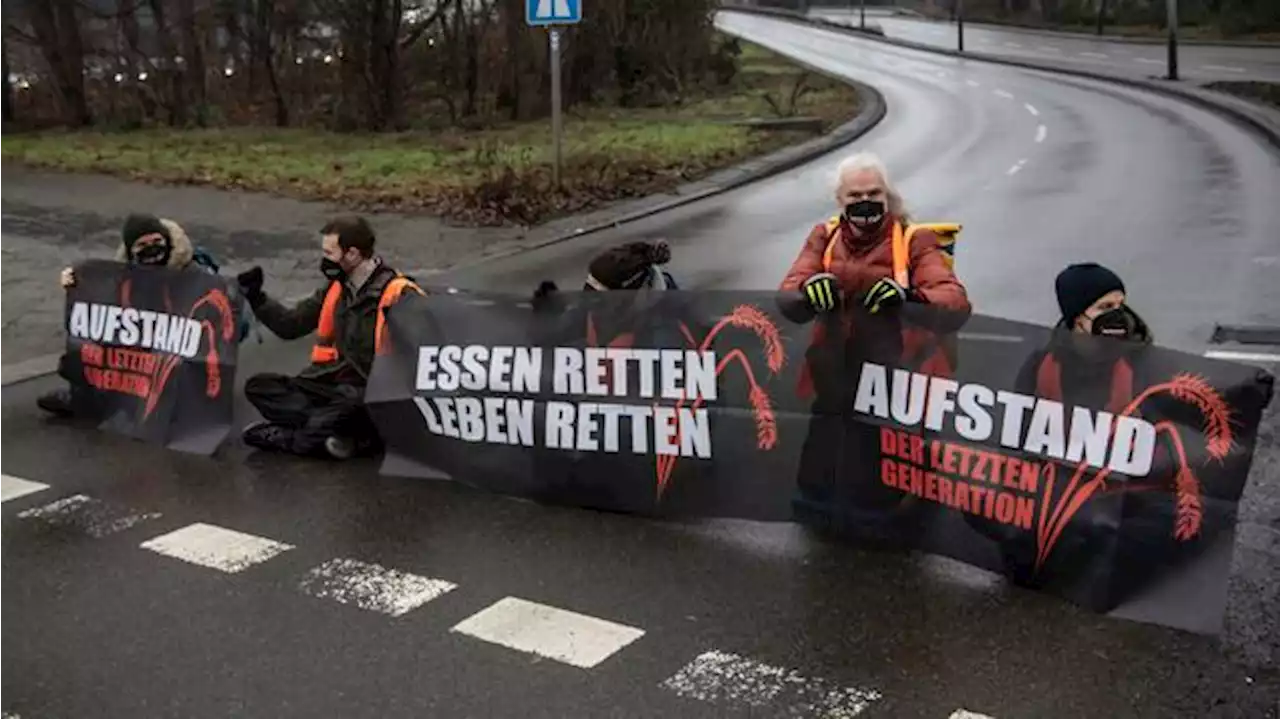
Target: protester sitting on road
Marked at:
1083, 371
865, 255
853, 257
1081, 367
633, 266
145, 240
320, 411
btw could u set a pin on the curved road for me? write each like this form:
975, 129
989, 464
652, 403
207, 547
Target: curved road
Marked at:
1042, 171
1111, 55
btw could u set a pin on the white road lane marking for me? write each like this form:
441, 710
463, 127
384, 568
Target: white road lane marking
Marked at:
1012, 44
737, 682
216, 547
988, 337
1048, 48
372, 586
1151, 61
1017, 167
973, 83
1005, 94
1224, 68
575, 639
1233, 356
1041, 133
1099, 55
91, 516
13, 487
1031, 109
966, 714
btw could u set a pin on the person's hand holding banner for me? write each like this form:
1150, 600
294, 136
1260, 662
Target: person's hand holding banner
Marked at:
250, 282
822, 292
884, 294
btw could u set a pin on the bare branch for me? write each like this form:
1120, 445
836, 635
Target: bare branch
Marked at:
422, 27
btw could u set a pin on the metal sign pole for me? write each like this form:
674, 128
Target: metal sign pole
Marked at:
1172, 6
960, 24
557, 128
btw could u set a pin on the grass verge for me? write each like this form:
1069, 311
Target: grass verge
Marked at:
490, 176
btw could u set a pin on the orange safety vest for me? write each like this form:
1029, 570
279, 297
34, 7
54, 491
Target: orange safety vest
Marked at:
946, 232
325, 350
940, 361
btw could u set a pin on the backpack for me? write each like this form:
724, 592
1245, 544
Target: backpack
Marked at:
244, 314
947, 232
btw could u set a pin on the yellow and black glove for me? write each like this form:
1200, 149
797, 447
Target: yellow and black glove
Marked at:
822, 292
884, 294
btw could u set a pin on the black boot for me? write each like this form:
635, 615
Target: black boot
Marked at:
58, 402
268, 437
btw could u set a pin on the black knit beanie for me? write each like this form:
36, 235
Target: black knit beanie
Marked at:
1081, 285
626, 267
138, 226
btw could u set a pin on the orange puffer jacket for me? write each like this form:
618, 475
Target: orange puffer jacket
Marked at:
858, 263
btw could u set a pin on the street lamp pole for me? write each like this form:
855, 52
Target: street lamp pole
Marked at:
1172, 20
960, 24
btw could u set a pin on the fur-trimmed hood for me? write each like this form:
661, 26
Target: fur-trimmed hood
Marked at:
183, 250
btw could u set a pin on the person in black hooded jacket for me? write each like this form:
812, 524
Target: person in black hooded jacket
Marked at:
1080, 366
575, 477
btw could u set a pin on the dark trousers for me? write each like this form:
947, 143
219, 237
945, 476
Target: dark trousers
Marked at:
311, 410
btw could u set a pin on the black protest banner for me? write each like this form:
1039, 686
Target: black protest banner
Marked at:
151, 353
660, 408
1103, 471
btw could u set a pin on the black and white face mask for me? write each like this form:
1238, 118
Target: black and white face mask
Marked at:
865, 214
1117, 323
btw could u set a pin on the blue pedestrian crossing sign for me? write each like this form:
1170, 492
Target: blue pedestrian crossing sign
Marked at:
552, 12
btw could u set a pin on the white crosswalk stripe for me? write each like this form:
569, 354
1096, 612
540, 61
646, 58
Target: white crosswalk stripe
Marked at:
569, 637
216, 547
372, 586
15, 487
91, 516
737, 682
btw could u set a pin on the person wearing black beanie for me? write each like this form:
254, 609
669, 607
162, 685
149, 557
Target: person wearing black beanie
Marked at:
1085, 291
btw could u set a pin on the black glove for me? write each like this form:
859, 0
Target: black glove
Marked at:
822, 292
544, 298
250, 282
884, 294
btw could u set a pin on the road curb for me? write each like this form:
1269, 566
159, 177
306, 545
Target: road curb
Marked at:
29, 369
1239, 111
871, 112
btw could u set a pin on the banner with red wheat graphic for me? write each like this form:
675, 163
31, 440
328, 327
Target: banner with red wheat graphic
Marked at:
151, 353
1101, 471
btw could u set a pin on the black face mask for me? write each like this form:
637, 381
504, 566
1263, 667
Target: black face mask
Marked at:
332, 270
153, 254
870, 212
1118, 323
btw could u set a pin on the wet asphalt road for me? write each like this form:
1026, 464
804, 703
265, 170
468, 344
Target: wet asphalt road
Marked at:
98, 626
1139, 59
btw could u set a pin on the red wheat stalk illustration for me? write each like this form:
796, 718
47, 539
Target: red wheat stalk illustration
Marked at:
1216, 425
213, 367
742, 317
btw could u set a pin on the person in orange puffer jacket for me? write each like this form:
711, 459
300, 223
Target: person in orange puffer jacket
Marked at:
852, 260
